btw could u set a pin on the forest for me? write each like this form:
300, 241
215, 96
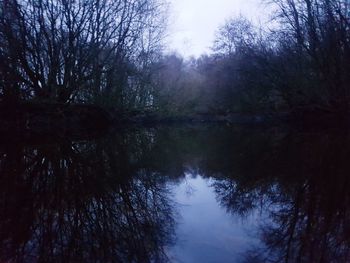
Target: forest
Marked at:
112, 54
114, 148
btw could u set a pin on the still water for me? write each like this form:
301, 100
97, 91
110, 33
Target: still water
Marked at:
177, 194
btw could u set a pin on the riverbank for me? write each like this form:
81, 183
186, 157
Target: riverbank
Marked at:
305, 117
42, 120
48, 120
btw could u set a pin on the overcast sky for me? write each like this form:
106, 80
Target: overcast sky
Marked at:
193, 22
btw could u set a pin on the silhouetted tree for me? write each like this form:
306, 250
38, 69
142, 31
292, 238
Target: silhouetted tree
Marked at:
64, 51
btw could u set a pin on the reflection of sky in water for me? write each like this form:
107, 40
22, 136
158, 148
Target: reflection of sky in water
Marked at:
206, 232
125, 199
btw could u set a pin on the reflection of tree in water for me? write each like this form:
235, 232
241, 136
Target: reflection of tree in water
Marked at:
304, 188
108, 201
81, 202
299, 180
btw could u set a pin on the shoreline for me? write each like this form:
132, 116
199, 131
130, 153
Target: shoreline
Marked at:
42, 120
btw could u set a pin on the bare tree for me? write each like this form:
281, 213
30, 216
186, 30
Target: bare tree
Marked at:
71, 50
320, 32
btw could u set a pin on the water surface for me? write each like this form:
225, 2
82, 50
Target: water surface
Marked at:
178, 194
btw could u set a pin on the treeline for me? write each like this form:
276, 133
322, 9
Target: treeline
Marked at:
302, 63
110, 53
82, 51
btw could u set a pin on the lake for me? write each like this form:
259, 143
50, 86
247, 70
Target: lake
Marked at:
182, 194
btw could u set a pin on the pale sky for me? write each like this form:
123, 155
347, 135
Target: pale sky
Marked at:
193, 23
